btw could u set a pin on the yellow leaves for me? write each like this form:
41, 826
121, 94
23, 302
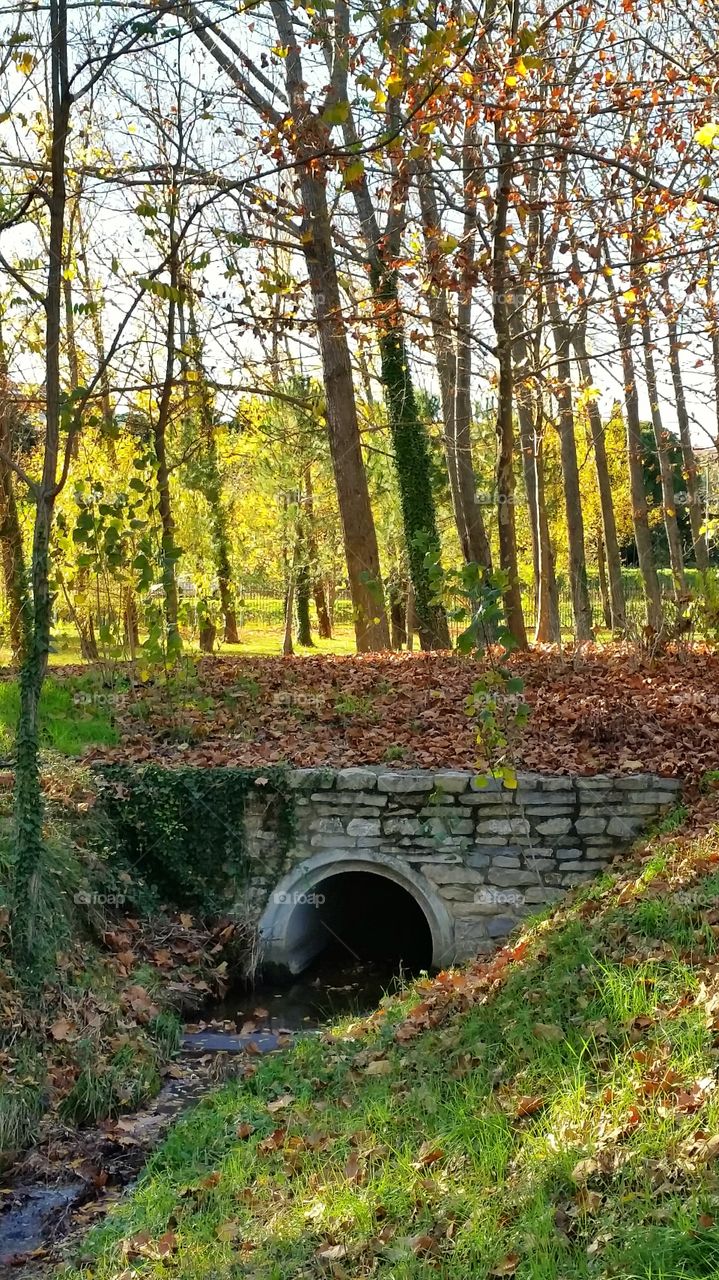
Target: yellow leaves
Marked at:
707, 135
630, 295
25, 63
519, 72
395, 84
467, 79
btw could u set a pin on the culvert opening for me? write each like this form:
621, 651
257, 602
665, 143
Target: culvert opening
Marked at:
332, 944
362, 917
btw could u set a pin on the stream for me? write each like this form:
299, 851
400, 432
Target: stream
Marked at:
41, 1208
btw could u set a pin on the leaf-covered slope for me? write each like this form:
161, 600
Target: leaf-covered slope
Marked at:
598, 710
549, 1114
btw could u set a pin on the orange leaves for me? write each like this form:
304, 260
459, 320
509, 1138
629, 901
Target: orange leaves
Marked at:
528, 1105
605, 711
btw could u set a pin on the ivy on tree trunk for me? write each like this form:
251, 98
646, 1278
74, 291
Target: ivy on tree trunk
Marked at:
412, 462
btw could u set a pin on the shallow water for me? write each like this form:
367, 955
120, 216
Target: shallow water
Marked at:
332, 988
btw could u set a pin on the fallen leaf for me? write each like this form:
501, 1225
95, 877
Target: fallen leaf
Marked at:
280, 1104
380, 1067
528, 1105
547, 1031
507, 1266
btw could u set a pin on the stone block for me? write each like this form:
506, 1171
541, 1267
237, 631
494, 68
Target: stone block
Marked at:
347, 798
508, 878
307, 779
403, 783
452, 781
455, 892
328, 826
653, 798
356, 780
503, 827
637, 781
505, 860
559, 783
584, 864
333, 842
531, 795
444, 810
500, 926
590, 826
549, 810
477, 799
540, 865
457, 874
402, 826
625, 828
554, 827
470, 936
542, 894
479, 782
477, 859
363, 827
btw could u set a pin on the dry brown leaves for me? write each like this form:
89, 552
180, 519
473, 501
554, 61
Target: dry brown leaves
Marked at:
604, 709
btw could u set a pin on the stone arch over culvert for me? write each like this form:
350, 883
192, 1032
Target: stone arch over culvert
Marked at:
290, 929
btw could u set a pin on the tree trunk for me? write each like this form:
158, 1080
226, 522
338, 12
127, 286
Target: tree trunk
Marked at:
219, 524
547, 625
603, 584
28, 806
696, 520
304, 627
581, 606
642, 532
410, 617
454, 384
360, 538
164, 500
398, 615
505, 426
287, 648
311, 136
676, 557
610, 543
324, 626
11, 539
131, 624
412, 462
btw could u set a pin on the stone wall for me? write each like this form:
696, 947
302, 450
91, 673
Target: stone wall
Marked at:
477, 858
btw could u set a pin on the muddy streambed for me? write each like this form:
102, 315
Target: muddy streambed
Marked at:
44, 1212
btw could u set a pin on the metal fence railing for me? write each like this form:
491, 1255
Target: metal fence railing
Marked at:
262, 604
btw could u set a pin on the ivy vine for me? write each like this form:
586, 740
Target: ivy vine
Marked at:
184, 828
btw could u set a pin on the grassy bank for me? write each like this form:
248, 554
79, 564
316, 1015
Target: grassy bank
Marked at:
87, 1034
549, 1114
71, 718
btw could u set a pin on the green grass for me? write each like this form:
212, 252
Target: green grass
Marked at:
425, 1166
66, 725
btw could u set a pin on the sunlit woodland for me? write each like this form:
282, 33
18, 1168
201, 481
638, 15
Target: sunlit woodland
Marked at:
355, 332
